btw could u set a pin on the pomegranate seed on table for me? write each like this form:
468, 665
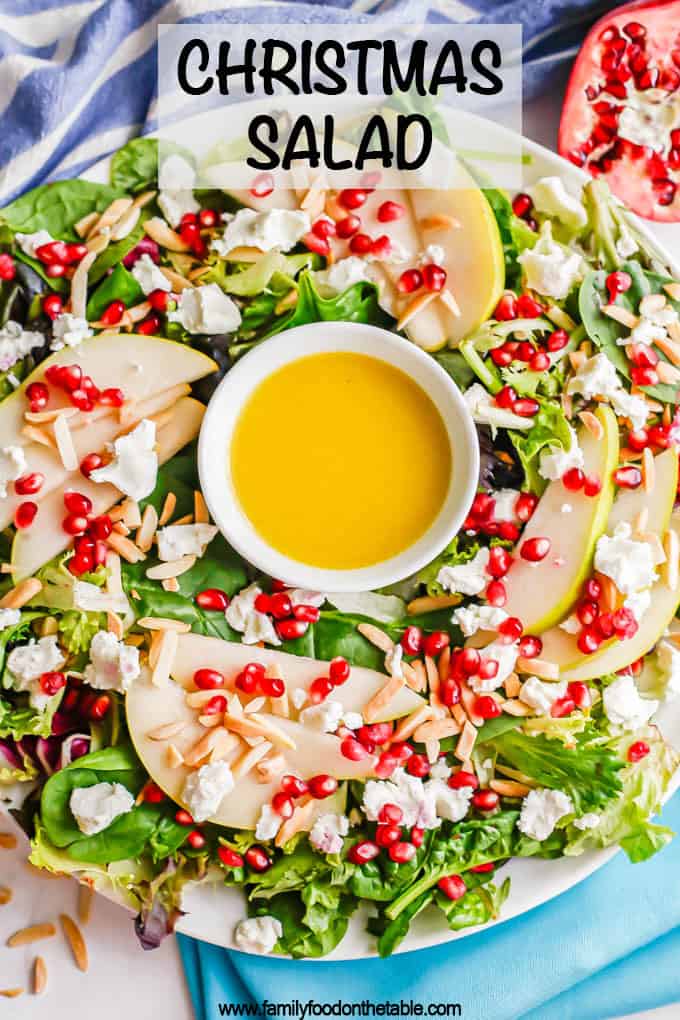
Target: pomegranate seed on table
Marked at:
352, 198
229, 857
435, 643
401, 853
418, 766
7, 267
293, 786
213, 599
452, 886
487, 707
338, 670
208, 679
562, 706
319, 689
506, 309
386, 835
257, 858
362, 853
282, 803
496, 594
485, 800
535, 549
322, 786
579, 692
557, 340
288, 630
390, 814
434, 277
410, 281
637, 751
528, 307
629, 477
51, 683
461, 779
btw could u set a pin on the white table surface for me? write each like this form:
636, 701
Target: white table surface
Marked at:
123, 981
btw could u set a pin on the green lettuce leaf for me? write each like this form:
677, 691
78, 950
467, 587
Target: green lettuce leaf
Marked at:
550, 428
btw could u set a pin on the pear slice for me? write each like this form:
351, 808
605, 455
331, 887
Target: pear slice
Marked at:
46, 539
542, 594
148, 707
141, 366
228, 657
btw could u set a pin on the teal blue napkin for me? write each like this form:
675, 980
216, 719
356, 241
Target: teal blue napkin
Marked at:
607, 947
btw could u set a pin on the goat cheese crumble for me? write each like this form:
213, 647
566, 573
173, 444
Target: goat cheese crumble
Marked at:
134, 467
476, 617
506, 656
466, 578
555, 461
541, 696
29, 243
549, 268
279, 229
69, 331
12, 466
552, 199
327, 833
206, 309
505, 503
624, 706
9, 618
343, 274
598, 377
177, 540
176, 198
113, 665
242, 615
541, 811
27, 663
268, 824
96, 807
148, 275
205, 788
15, 343
629, 563
258, 934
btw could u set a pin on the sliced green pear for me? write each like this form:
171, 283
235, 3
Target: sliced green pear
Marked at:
141, 366
541, 594
620, 654
149, 707
46, 538
195, 652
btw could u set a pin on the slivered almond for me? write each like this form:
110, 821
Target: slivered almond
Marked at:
436, 729
249, 759
167, 730
130, 513
652, 303
168, 508
170, 584
120, 528
620, 314
382, 698
47, 417
166, 657
430, 603
5, 895
8, 841
439, 221
466, 741
125, 548
35, 933
418, 681
79, 285
175, 568
671, 568
176, 280
446, 297
11, 993
647, 468
114, 624
592, 424
509, 788
203, 747
173, 757
39, 982
414, 306
111, 215
64, 441
75, 940
443, 665
299, 820
269, 768
163, 623
280, 706
39, 435
288, 300
187, 519
458, 713
468, 698
610, 593
154, 649
512, 685
126, 224
577, 359
85, 224
407, 726
158, 230
256, 705
673, 290
668, 374
255, 726
197, 699
539, 667
201, 515
85, 901
515, 707
432, 749
22, 593
567, 404
376, 636
226, 746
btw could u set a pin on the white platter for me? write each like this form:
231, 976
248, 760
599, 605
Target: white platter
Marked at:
213, 911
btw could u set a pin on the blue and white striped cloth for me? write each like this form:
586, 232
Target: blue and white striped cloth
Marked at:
78, 79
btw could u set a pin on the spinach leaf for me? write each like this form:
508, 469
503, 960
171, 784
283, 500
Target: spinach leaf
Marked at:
134, 168
117, 251
479, 905
516, 236
605, 332
396, 931
119, 286
309, 931
455, 365
57, 207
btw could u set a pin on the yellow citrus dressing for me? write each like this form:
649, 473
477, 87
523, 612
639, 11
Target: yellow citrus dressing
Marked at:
340, 460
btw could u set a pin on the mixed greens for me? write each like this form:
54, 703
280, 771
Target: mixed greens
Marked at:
535, 649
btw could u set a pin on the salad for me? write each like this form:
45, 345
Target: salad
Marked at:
169, 717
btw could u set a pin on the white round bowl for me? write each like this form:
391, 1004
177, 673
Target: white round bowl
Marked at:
214, 461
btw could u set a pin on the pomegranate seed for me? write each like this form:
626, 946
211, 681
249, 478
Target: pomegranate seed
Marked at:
525, 506
386, 765
390, 211
348, 226
452, 886
644, 376
153, 794
511, 629
149, 326
483, 505
486, 707
80, 564
51, 683
401, 853
450, 692
293, 786
324, 228
629, 477
386, 835
524, 351
55, 269
257, 859
101, 527
417, 836
216, 705
526, 407
435, 643
461, 779
52, 306
76, 503
634, 30
390, 814
352, 749
434, 277
508, 531
409, 281
280, 605
506, 309
319, 690
579, 693
562, 707
196, 840
528, 307
229, 857
617, 283
262, 603
588, 641
412, 640
112, 397
283, 804
637, 751
625, 624
592, 485
592, 589
183, 817
309, 614
360, 244
557, 340
376, 734
482, 869
100, 707
638, 440
381, 247
485, 800
262, 186
659, 436
29, 484
530, 646
500, 561
90, 463
38, 396
208, 679
506, 397
113, 313
418, 766
469, 661
273, 686
587, 612
7, 267
362, 853
573, 479
191, 235
535, 549
213, 599
496, 595
352, 198
338, 670
288, 630
539, 362
319, 245
322, 786
522, 205
54, 251
604, 625
158, 299
501, 357
74, 524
